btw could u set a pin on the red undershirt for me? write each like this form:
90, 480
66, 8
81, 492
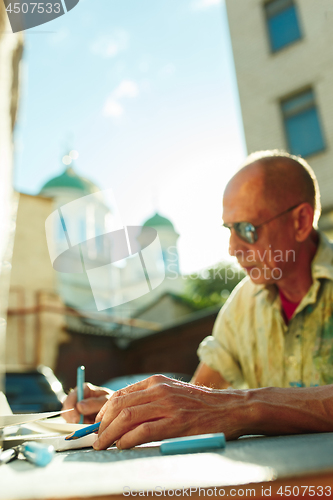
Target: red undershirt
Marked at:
288, 308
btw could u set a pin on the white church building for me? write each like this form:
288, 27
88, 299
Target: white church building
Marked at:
99, 275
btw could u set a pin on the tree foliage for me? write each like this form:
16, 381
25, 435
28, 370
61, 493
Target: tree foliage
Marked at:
212, 286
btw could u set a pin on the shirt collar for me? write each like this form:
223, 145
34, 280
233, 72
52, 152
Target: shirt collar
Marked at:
321, 267
322, 263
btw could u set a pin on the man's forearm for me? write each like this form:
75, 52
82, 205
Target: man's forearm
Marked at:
274, 410
160, 408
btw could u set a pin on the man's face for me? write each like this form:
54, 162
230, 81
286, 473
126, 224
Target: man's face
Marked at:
271, 257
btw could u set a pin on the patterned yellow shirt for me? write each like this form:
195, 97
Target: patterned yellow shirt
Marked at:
251, 345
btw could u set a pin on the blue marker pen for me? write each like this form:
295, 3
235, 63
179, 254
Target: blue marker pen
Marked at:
193, 444
79, 385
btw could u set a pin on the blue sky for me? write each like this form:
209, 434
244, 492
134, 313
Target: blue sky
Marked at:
145, 91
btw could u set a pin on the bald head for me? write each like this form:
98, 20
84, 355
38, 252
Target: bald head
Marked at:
280, 179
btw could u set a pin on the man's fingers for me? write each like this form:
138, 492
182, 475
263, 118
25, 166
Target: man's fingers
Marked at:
93, 391
94, 399
118, 401
145, 384
128, 397
128, 419
147, 432
91, 406
72, 417
70, 402
89, 391
138, 393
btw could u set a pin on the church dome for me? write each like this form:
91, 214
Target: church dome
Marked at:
157, 221
69, 179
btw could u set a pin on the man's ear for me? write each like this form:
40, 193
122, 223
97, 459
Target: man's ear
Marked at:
303, 221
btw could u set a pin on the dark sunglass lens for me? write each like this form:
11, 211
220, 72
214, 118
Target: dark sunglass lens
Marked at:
247, 232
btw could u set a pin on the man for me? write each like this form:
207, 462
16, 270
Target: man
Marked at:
276, 328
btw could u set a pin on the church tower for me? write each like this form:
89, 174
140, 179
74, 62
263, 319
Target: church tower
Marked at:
86, 222
168, 239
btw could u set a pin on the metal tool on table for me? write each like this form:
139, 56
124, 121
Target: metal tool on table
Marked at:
36, 453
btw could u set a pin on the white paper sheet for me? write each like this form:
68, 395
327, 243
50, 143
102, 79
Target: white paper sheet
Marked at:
5, 409
58, 424
58, 442
57, 429
89, 473
6, 420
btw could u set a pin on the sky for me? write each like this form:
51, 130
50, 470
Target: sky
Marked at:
145, 91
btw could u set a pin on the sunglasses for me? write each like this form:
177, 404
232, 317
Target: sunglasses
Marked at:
248, 232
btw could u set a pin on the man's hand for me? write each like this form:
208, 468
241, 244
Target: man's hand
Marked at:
159, 408
94, 399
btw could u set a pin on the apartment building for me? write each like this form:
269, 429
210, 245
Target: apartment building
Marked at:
283, 54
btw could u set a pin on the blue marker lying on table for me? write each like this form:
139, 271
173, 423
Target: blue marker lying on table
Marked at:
193, 444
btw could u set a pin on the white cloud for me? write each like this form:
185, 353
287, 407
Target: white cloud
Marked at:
126, 89
112, 108
110, 45
205, 4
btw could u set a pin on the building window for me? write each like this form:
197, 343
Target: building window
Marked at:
302, 124
282, 23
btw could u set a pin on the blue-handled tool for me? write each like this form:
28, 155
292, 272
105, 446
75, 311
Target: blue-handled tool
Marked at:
79, 384
193, 444
37, 453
